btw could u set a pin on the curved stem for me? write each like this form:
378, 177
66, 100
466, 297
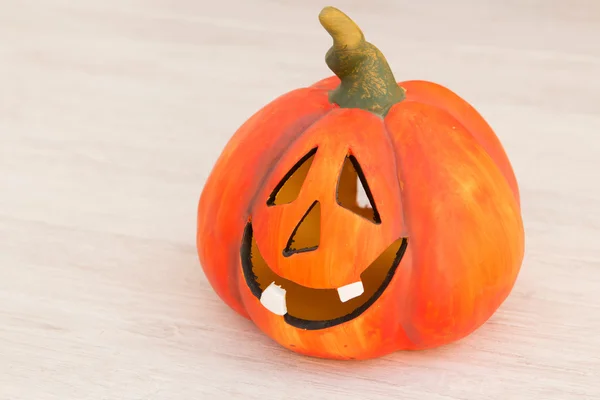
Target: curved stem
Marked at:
367, 82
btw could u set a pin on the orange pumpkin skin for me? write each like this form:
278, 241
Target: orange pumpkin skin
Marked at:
440, 179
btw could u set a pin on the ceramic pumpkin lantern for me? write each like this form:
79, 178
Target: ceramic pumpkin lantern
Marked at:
423, 258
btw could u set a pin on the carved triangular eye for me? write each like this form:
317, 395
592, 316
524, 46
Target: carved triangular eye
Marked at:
307, 234
353, 192
288, 189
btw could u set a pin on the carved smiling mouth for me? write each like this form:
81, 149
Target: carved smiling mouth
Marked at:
309, 308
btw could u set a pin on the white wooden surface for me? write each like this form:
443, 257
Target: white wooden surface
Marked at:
111, 115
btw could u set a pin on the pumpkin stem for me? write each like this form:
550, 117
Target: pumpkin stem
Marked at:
367, 82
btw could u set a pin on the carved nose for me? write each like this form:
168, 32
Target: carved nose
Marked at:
307, 234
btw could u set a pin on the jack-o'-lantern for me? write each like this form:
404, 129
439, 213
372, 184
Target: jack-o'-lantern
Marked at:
361, 216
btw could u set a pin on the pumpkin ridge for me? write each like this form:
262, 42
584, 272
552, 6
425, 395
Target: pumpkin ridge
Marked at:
410, 332
400, 170
441, 97
419, 335
458, 121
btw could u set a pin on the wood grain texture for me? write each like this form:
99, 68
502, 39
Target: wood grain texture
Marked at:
112, 114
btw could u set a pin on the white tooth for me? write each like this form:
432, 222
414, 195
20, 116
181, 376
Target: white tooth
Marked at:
350, 291
273, 299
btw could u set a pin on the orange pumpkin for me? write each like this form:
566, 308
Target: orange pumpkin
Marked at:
424, 258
